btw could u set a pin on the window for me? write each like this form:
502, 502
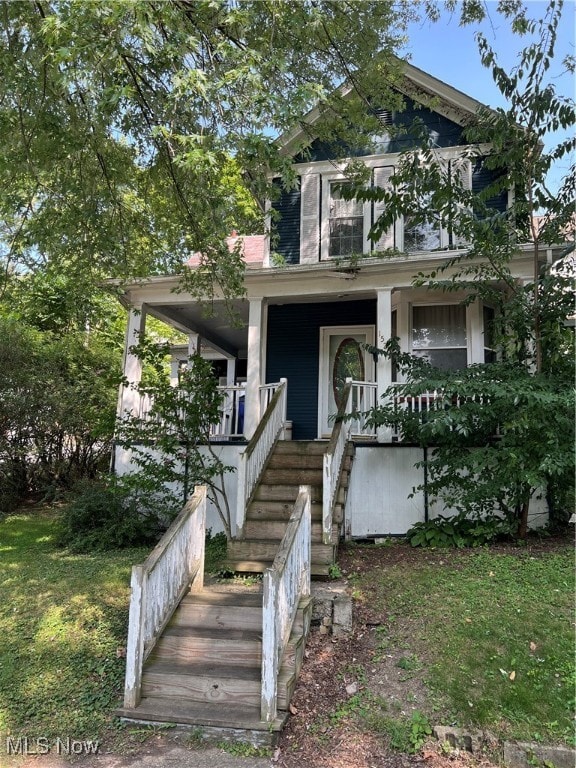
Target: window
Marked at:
331, 227
346, 225
439, 335
424, 236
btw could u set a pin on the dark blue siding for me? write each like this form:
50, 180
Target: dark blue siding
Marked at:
293, 351
441, 132
286, 226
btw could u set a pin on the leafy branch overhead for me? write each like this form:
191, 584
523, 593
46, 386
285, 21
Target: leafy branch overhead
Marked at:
136, 134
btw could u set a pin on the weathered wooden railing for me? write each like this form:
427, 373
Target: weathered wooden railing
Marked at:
252, 460
285, 583
332, 463
158, 585
362, 399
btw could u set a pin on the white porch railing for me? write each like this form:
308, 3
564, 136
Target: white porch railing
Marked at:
362, 399
285, 583
159, 584
332, 463
231, 422
252, 460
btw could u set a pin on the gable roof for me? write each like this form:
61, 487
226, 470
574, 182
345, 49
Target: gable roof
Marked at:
414, 83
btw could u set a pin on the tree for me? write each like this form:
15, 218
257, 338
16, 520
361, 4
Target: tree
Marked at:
137, 133
57, 403
170, 443
502, 432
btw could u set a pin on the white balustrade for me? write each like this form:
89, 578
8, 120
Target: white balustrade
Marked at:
252, 460
285, 583
158, 585
362, 399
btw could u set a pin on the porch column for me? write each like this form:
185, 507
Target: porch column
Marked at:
475, 329
254, 367
129, 397
194, 343
384, 365
230, 371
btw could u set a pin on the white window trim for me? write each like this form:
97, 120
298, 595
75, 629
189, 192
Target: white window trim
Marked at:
326, 172
470, 330
326, 180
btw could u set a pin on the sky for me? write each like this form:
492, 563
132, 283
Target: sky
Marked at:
450, 53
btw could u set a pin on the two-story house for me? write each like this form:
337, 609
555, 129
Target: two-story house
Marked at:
311, 303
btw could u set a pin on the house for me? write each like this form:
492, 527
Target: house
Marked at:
308, 308
317, 290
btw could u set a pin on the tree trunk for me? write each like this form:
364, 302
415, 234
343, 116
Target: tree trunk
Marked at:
523, 519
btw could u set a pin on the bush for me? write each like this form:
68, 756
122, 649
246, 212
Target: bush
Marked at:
460, 531
107, 515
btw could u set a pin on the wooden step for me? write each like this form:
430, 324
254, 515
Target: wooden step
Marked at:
281, 511
261, 549
194, 613
294, 477
288, 493
301, 447
217, 682
203, 715
278, 510
273, 530
295, 461
208, 645
259, 566
285, 493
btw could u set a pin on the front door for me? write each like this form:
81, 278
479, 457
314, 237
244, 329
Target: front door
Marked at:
342, 356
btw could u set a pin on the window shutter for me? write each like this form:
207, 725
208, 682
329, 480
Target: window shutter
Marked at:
382, 177
461, 170
310, 218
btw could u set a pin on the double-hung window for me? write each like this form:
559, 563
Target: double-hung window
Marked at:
439, 335
346, 223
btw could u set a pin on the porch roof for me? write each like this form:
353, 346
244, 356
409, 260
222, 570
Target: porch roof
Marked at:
302, 283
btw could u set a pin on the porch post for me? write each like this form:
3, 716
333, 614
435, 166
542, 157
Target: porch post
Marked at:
254, 367
230, 371
474, 325
384, 365
129, 398
194, 343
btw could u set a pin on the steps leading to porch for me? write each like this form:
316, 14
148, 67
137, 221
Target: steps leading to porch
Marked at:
205, 670
292, 464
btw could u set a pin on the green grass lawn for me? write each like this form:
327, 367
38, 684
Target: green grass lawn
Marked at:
494, 629
63, 622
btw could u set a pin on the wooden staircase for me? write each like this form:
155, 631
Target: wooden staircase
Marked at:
205, 670
206, 667
292, 464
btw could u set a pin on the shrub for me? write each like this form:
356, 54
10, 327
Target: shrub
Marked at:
460, 531
107, 515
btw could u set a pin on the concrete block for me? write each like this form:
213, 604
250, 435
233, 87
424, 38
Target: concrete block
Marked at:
342, 616
528, 755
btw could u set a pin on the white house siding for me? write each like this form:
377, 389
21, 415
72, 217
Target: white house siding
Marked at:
228, 454
382, 479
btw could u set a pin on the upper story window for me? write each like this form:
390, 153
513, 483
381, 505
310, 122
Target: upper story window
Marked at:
346, 223
331, 227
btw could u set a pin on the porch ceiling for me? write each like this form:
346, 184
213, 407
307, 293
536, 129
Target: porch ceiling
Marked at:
215, 324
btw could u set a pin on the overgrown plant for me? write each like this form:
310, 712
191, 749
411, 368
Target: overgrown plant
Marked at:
57, 402
169, 443
502, 432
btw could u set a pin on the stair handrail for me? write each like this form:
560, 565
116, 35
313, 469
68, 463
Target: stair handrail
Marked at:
332, 463
285, 583
252, 461
159, 584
